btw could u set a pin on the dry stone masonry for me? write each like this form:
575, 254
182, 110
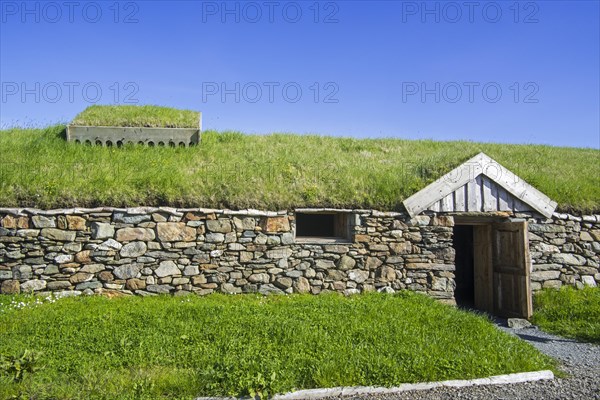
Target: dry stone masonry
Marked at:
149, 251
565, 251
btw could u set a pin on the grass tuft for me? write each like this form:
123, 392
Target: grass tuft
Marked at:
179, 348
279, 171
569, 312
137, 116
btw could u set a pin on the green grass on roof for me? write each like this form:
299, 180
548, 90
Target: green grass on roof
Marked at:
137, 116
39, 168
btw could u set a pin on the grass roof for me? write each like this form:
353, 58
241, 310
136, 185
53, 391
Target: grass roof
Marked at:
137, 116
278, 171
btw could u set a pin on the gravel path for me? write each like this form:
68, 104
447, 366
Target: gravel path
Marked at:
581, 361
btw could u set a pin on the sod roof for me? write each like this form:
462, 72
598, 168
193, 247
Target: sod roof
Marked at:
137, 116
276, 171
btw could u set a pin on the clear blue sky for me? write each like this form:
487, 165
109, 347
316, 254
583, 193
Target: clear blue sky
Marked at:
517, 72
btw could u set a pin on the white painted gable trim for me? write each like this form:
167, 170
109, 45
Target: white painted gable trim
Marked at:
481, 164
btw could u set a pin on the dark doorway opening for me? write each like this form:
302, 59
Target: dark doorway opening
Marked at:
464, 293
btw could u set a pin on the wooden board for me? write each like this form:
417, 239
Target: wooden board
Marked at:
482, 258
511, 265
480, 184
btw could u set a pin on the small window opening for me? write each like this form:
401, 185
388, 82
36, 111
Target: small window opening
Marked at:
323, 227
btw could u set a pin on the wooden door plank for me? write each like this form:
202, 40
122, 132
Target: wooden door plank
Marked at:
511, 267
482, 252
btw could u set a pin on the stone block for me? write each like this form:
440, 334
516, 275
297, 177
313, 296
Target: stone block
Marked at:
221, 225
10, 222
33, 285
373, 263
75, 223
128, 271
568, 259
81, 277
215, 238
132, 234
28, 233
358, 275
83, 257
22, 272
191, 270
92, 268
63, 258
336, 248
58, 235
362, 238
269, 289
275, 224
167, 268
259, 278
324, 264
106, 248
386, 274
555, 284
10, 287
58, 285
378, 247
401, 248
180, 281
160, 289
546, 228
88, 286
102, 230
106, 276
40, 221
133, 219
133, 249
230, 289
279, 253
4, 275
175, 232
346, 263
283, 283
588, 280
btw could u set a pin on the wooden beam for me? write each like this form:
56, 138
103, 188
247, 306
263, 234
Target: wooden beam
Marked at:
469, 174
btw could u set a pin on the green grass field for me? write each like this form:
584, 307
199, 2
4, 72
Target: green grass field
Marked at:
137, 116
178, 348
569, 312
39, 168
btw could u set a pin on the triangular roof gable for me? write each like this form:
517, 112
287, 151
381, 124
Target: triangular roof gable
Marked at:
481, 172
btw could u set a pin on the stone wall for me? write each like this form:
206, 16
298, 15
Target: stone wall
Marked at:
150, 251
162, 250
565, 250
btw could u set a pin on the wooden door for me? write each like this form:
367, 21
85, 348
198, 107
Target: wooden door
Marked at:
511, 265
482, 268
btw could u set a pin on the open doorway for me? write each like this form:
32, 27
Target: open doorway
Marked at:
464, 293
492, 266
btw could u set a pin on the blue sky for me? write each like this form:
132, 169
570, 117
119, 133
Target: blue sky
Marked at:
515, 72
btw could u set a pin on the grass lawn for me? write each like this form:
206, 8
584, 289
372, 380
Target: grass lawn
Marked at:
38, 168
178, 348
137, 116
569, 312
